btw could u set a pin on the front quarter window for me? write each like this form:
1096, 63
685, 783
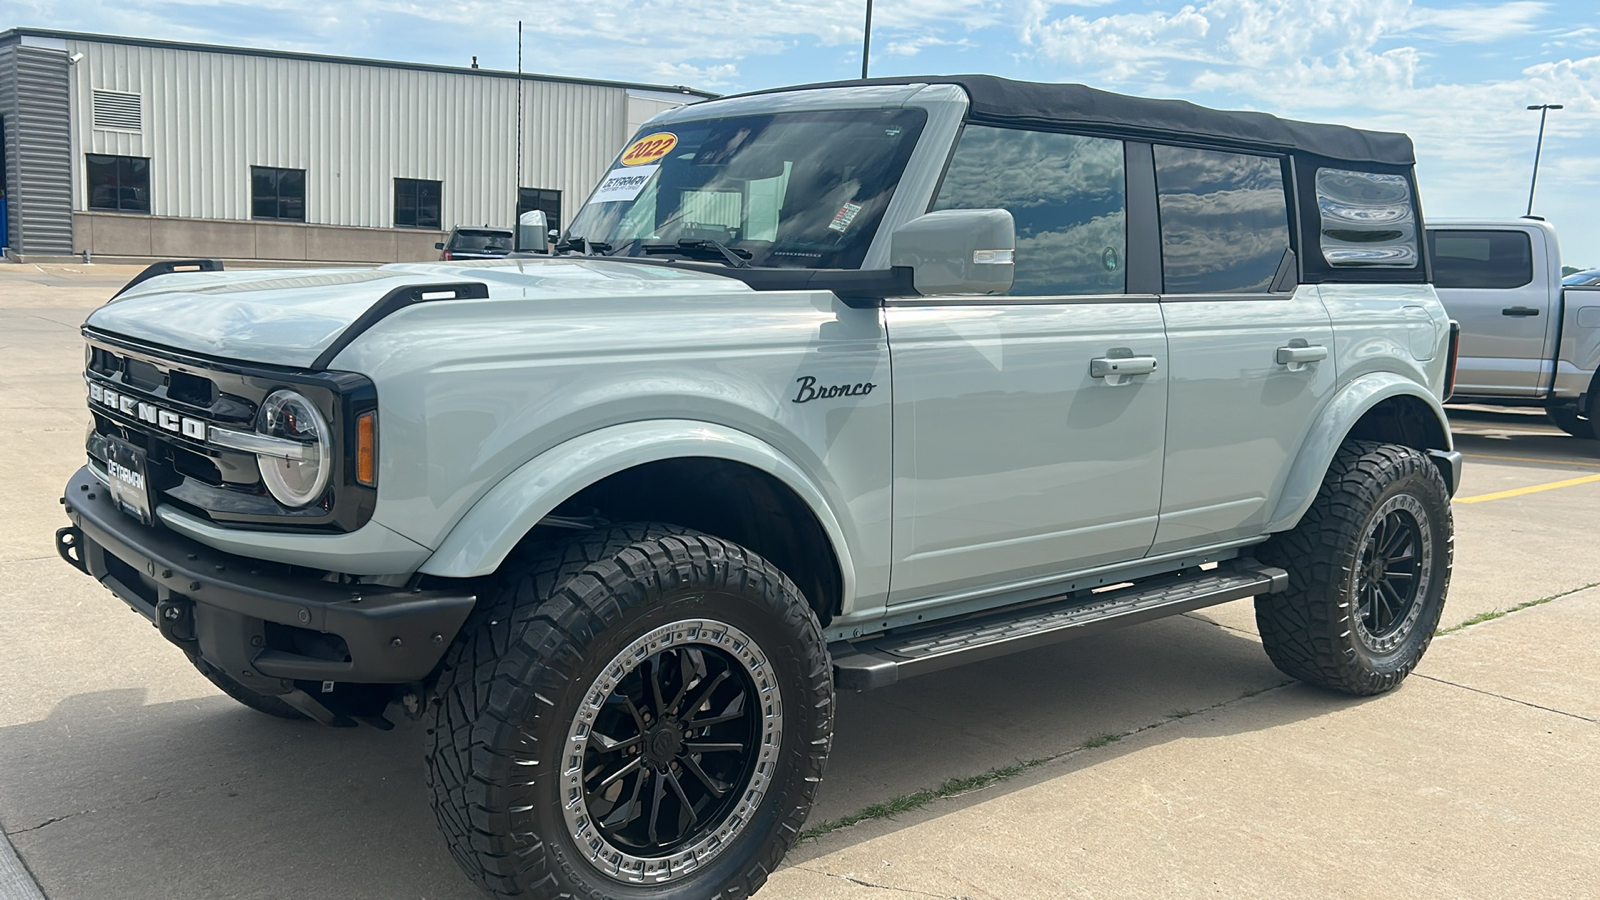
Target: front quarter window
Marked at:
795, 190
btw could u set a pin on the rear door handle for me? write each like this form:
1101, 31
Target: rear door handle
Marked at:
1296, 358
1519, 311
1117, 369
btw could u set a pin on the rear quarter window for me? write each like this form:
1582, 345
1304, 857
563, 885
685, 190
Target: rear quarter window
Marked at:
1481, 259
1367, 219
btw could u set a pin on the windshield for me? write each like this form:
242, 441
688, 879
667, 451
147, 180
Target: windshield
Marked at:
799, 190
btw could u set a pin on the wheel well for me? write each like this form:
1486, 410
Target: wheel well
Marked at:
731, 500
1403, 420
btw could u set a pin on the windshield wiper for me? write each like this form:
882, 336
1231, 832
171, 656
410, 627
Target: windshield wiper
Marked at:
702, 248
583, 245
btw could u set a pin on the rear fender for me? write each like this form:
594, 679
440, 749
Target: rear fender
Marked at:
497, 522
1341, 414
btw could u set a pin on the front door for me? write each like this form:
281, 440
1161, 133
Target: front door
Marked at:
1017, 458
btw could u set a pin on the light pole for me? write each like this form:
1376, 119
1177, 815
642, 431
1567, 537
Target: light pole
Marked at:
866, 42
1544, 110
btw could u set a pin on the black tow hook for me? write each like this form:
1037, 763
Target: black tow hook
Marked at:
69, 543
175, 619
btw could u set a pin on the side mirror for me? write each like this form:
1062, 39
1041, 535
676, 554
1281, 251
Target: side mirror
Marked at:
533, 232
957, 251
438, 245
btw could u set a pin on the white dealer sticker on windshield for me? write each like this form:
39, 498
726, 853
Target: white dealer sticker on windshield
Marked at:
624, 184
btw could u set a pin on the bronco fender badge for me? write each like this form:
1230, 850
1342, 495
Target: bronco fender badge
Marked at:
808, 390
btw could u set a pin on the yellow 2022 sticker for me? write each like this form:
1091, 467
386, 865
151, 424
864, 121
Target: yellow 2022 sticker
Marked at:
649, 148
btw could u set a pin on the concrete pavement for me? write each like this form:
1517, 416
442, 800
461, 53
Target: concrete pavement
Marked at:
124, 774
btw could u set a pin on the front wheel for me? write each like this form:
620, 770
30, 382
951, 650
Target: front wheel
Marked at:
641, 711
1369, 567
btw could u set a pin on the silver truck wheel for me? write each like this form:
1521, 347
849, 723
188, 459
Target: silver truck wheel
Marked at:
640, 711
1369, 568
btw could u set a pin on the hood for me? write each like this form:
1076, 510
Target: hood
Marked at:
287, 317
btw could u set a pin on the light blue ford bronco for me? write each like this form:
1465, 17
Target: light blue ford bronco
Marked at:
824, 388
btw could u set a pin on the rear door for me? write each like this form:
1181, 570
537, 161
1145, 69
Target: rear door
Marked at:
1014, 461
1250, 366
1487, 280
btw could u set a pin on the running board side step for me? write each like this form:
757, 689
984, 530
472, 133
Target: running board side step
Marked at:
884, 660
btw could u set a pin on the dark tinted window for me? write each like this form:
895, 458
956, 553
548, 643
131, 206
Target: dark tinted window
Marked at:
481, 240
416, 203
549, 201
1481, 259
1068, 195
118, 183
278, 193
1224, 220
1367, 219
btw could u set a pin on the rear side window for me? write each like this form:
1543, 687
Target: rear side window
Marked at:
1224, 220
1068, 195
1481, 259
1367, 219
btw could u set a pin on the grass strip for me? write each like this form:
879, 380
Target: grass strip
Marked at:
1493, 614
966, 784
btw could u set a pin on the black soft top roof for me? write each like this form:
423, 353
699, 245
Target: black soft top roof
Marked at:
1001, 101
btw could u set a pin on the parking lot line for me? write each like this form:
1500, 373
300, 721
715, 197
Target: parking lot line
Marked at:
1553, 462
1531, 489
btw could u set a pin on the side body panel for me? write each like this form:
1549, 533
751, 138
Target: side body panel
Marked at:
1508, 335
470, 391
1237, 416
1011, 461
1579, 356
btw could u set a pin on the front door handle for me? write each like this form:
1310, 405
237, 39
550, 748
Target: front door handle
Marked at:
1117, 369
1296, 357
1519, 311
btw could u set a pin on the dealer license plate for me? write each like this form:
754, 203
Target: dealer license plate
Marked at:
130, 482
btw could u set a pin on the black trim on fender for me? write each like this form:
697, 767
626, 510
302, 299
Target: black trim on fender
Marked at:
393, 635
1449, 463
168, 267
394, 301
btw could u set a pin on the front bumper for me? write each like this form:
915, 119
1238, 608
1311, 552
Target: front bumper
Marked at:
267, 625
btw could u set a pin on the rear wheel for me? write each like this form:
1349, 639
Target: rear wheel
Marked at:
639, 711
1369, 568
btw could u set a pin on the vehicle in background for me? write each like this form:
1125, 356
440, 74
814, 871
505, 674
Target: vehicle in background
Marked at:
475, 243
1528, 336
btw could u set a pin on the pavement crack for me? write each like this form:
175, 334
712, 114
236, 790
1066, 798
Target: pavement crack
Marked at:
50, 821
1467, 687
862, 882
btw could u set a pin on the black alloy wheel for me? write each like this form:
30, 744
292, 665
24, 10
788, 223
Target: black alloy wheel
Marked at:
1392, 572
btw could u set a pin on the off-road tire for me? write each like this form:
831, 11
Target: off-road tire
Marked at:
1314, 630
513, 682
263, 703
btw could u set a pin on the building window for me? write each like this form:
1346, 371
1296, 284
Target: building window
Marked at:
530, 199
118, 183
416, 203
278, 193
1224, 220
1067, 194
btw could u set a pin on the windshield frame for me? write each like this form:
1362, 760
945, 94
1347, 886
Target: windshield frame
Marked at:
945, 107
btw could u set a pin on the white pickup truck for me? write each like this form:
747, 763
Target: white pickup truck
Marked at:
1526, 338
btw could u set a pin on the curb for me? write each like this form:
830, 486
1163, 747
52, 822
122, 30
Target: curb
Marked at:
15, 882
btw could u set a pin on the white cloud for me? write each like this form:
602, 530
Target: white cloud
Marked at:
1478, 24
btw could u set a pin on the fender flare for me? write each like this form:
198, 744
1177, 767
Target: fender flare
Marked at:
483, 537
1337, 418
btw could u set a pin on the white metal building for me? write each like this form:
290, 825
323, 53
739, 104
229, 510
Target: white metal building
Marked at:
136, 148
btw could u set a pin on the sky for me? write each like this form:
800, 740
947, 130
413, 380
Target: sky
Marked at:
1457, 77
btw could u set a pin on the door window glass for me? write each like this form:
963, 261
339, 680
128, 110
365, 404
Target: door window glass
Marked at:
1224, 220
1481, 259
1068, 195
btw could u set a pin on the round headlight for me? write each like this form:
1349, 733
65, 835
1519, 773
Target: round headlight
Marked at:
295, 482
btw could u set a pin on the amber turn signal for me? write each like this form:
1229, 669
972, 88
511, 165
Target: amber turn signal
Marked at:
367, 449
